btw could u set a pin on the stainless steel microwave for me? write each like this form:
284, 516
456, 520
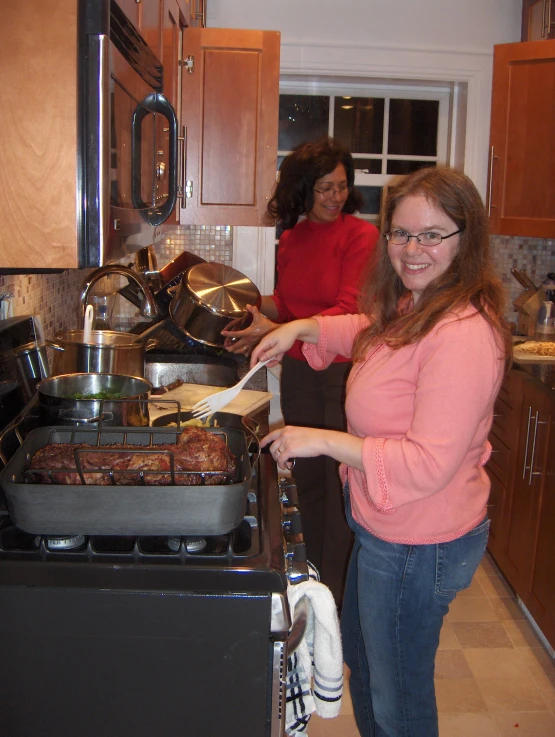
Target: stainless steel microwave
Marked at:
127, 142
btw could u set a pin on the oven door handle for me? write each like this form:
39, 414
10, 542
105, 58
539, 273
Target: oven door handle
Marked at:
153, 103
298, 628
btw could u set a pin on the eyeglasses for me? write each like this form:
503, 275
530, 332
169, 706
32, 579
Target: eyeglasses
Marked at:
400, 238
329, 191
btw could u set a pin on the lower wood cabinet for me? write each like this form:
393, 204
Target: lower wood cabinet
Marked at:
522, 500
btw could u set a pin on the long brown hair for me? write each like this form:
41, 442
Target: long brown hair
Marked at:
294, 192
469, 280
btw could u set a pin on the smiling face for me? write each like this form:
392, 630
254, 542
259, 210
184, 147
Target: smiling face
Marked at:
419, 265
327, 208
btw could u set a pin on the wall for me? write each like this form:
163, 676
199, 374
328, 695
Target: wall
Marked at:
444, 40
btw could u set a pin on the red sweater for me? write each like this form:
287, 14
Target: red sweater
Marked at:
320, 266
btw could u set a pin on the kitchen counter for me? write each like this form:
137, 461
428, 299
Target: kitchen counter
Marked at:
544, 373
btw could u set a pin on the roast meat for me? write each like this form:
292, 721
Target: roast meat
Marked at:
204, 455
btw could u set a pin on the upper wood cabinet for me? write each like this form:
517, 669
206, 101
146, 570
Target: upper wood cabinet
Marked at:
193, 12
538, 20
38, 120
521, 186
229, 110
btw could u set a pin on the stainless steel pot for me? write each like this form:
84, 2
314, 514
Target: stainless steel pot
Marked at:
59, 405
209, 298
27, 364
108, 352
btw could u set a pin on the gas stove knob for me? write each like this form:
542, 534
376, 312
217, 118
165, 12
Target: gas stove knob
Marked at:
292, 521
296, 552
288, 492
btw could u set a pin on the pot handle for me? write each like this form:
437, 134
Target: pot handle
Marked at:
87, 420
55, 346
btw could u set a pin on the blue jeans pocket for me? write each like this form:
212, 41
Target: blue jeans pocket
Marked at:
457, 560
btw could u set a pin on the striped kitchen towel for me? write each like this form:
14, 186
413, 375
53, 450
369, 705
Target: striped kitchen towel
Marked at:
315, 669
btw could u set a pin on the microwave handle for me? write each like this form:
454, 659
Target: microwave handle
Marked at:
153, 103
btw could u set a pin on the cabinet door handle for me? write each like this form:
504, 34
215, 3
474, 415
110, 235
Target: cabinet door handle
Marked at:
490, 188
532, 472
527, 441
181, 189
546, 18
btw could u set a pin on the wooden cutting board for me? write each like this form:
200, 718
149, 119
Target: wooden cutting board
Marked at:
246, 402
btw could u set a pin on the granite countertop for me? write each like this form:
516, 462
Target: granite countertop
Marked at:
542, 371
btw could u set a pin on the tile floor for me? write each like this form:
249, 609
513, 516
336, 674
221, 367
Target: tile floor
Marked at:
493, 676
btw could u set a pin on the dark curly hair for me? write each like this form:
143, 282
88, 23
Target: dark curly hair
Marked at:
294, 192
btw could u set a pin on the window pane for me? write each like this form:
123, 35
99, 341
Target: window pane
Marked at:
368, 166
358, 123
394, 166
413, 127
372, 199
302, 118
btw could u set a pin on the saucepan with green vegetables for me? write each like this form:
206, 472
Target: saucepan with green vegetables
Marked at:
94, 398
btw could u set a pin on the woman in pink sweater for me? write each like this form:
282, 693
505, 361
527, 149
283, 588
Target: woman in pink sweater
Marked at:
429, 352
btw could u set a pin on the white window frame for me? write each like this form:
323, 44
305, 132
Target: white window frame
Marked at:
387, 90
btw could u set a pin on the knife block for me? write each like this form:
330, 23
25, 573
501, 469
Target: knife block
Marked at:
528, 306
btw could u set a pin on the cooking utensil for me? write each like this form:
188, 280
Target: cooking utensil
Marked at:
210, 296
217, 401
108, 351
128, 405
88, 323
59, 509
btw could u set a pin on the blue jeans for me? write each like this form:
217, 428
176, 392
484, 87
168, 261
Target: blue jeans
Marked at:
395, 599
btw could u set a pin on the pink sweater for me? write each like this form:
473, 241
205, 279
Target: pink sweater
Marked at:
424, 412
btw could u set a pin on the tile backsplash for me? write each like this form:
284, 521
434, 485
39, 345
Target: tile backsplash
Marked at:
55, 296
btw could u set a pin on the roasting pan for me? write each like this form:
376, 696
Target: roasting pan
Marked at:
59, 509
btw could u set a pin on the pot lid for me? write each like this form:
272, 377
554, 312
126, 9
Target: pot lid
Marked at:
221, 289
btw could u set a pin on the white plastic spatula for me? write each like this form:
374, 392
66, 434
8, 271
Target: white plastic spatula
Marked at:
88, 323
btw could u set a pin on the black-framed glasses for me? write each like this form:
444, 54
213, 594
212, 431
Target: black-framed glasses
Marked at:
430, 238
329, 191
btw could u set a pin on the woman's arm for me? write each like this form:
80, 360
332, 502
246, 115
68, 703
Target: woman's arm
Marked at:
279, 341
263, 322
306, 442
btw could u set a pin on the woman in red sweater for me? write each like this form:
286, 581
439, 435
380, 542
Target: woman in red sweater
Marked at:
322, 253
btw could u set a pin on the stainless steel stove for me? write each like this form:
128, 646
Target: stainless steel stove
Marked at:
122, 636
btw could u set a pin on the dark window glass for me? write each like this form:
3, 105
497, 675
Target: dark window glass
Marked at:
395, 166
358, 123
372, 199
368, 166
413, 127
302, 118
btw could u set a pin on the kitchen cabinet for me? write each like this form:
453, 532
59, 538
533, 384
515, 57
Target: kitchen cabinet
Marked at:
501, 465
193, 12
522, 472
538, 20
521, 186
229, 110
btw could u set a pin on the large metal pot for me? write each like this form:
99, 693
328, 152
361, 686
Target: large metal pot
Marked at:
27, 364
108, 351
209, 298
60, 406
